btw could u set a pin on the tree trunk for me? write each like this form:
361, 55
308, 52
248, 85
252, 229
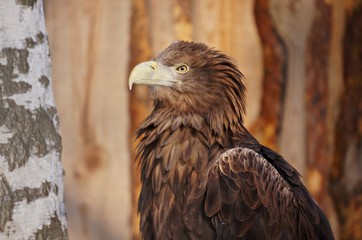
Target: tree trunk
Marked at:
31, 173
346, 177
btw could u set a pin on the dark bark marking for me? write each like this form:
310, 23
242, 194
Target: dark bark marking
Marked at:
52, 231
31, 42
16, 61
33, 133
31, 194
11, 88
44, 81
26, 3
6, 203
8, 197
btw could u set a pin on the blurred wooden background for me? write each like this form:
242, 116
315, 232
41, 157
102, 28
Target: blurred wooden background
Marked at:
303, 65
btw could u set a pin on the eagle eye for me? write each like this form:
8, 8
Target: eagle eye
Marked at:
183, 68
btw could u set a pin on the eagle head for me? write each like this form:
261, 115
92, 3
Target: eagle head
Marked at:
192, 77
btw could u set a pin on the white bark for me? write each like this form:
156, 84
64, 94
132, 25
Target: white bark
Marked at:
31, 173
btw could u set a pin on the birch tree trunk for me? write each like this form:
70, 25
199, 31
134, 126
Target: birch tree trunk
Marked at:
31, 173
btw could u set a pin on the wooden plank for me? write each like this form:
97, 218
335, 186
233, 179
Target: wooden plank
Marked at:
205, 20
346, 168
293, 21
161, 25
229, 26
89, 71
317, 96
182, 10
140, 105
267, 127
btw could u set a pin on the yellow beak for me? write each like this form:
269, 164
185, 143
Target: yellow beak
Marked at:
152, 73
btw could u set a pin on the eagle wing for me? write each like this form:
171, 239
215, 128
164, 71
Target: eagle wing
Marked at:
258, 195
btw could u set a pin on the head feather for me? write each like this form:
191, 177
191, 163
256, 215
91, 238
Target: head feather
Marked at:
213, 85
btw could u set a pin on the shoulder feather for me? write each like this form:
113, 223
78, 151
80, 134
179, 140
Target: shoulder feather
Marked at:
246, 189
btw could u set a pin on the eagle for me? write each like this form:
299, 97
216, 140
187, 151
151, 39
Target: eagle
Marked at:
203, 175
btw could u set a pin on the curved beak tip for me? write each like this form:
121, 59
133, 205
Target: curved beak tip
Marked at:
140, 72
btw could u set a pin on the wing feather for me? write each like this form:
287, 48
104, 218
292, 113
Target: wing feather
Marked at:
213, 200
256, 194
